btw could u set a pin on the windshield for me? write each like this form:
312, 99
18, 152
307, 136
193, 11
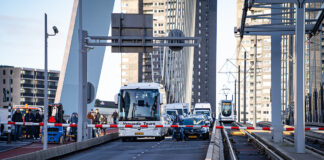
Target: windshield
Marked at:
139, 105
203, 112
171, 112
193, 121
226, 109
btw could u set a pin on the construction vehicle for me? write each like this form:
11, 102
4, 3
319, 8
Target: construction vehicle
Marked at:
56, 134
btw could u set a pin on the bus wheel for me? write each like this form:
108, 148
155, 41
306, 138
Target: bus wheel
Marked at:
125, 139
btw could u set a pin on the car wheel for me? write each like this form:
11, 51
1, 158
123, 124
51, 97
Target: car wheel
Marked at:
206, 136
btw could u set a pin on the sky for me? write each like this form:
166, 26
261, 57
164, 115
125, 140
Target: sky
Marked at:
22, 40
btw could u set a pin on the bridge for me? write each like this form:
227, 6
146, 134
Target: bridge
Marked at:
278, 45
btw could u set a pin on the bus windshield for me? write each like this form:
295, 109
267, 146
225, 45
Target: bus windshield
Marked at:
226, 109
139, 105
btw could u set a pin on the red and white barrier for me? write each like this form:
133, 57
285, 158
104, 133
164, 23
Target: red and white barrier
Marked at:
155, 126
143, 126
41, 124
269, 128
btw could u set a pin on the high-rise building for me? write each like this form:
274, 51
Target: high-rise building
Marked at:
204, 69
189, 75
26, 86
263, 68
144, 67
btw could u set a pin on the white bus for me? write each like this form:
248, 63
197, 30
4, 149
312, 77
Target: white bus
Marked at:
141, 104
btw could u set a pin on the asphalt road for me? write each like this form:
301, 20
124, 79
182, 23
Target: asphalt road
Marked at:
145, 150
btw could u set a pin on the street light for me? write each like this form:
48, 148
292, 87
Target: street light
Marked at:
45, 135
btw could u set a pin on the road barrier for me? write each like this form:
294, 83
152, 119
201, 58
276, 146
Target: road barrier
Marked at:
155, 126
268, 128
104, 125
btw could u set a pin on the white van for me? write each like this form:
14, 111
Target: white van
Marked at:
178, 108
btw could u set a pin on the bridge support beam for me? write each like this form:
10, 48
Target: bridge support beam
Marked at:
276, 80
299, 79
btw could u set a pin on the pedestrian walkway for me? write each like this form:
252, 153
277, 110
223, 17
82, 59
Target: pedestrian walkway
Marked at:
286, 148
4, 146
32, 147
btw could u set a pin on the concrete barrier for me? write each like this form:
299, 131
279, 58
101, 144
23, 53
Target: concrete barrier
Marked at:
65, 149
215, 148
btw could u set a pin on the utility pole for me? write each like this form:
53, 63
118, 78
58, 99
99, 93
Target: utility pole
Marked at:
45, 91
239, 93
46, 84
235, 113
244, 92
255, 80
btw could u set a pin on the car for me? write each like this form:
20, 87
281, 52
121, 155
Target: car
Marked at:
195, 133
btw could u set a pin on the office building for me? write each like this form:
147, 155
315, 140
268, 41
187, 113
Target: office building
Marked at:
26, 86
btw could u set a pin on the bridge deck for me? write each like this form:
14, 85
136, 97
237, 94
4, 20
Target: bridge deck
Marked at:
146, 149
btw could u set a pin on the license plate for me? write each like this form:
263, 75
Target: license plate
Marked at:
192, 136
139, 133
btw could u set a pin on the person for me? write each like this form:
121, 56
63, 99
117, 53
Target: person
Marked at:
90, 116
96, 121
74, 120
29, 117
38, 119
97, 117
103, 120
17, 117
115, 116
178, 121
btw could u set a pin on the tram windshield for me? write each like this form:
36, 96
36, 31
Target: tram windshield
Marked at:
139, 105
226, 109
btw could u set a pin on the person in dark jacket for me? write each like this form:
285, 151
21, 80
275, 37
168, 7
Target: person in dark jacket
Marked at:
178, 121
96, 121
17, 117
115, 116
29, 117
97, 117
38, 119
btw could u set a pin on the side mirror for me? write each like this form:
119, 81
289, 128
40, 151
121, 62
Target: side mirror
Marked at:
161, 98
116, 98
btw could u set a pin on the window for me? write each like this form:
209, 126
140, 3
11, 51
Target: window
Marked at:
124, 59
4, 81
10, 72
4, 72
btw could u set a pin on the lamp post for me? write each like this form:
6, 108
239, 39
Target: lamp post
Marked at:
45, 139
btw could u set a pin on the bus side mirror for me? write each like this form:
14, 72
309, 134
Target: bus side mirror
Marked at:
116, 98
161, 98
